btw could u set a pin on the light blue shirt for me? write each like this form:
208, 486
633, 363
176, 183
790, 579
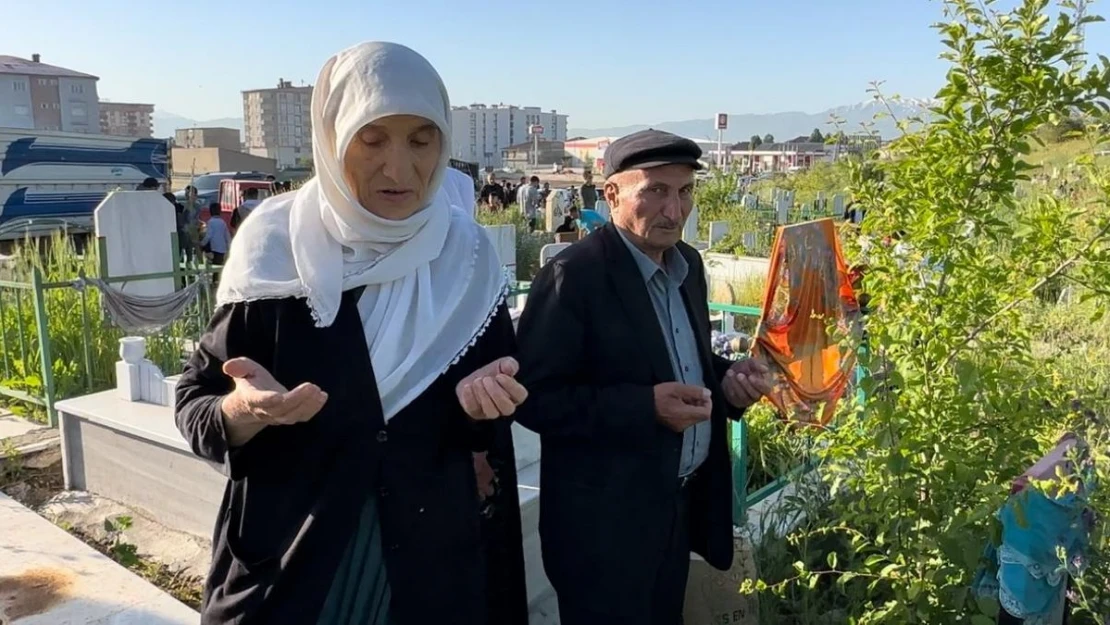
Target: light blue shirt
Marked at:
663, 286
217, 236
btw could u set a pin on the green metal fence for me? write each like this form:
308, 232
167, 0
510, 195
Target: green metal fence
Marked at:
56, 339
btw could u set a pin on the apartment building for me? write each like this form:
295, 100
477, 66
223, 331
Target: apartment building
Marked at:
127, 119
224, 138
277, 123
38, 96
480, 133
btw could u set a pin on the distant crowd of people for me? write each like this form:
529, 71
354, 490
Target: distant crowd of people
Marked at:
211, 238
531, 197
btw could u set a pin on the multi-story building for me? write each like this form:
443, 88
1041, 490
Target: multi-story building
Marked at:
777, 157
127, 119
277, 123
224, 138
480, 133
35, 95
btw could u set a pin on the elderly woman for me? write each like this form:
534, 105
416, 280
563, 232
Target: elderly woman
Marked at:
356, 362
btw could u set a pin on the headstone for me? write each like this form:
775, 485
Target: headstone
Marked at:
558, 207
602, 208
717, 231
551, 250
137, 378
137, 228
504, 241
838, 205
750, 240
750, 200
782, 211
690, 230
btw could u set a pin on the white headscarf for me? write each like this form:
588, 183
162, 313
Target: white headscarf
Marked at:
433, 280
459, 188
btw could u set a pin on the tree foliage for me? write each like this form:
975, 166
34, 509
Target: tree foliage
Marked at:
964, 404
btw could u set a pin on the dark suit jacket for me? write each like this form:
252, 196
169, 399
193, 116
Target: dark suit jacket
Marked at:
295, 491
591, 351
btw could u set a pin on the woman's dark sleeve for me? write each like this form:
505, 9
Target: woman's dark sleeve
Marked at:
498, 341
236, 330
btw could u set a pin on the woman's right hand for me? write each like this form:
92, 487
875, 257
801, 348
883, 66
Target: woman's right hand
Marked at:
259, 400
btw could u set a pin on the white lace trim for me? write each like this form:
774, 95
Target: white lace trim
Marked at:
503, 294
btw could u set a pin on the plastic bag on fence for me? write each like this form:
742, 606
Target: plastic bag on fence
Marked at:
808, 291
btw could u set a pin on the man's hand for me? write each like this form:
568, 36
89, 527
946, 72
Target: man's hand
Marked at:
746, 382
678, 406
492, 391
258, 396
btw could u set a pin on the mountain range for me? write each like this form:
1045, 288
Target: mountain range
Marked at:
782, 126
740, 126
166, 123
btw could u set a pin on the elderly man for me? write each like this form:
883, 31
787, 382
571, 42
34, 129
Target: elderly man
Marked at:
629, 401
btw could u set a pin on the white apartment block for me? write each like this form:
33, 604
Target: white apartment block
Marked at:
127, 119
37, 96
277, 123
480, 132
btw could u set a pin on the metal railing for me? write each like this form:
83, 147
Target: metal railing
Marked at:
56, 338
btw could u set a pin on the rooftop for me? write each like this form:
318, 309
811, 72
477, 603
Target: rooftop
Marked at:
34, 67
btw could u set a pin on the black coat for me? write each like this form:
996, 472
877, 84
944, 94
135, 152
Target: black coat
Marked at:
591, 351
295, 492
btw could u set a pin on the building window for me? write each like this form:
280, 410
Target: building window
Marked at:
19, 109
77, 88
57, 105
19, 85
43, 82
78, 110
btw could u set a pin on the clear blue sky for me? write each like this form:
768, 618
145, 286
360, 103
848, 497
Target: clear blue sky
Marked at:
603, 62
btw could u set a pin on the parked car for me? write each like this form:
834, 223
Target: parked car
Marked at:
208, 185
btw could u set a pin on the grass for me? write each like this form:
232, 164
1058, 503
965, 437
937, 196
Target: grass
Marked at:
528, 244
84, 345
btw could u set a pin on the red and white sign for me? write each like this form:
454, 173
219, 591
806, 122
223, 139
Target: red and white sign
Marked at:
536, 130
722, 121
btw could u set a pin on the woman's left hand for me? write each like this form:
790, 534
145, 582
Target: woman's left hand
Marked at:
492, 391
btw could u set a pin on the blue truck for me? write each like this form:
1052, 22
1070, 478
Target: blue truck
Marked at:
50, 180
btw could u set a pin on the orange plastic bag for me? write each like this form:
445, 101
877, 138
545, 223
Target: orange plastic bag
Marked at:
808, 306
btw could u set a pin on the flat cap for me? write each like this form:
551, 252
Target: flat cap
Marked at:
650, 148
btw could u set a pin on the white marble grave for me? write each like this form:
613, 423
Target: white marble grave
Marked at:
504, 241
137, 228
717, 231
690, 229
139, 379
557, 208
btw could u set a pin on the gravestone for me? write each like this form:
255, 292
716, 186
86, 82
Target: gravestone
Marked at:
717, 231
136, 227
750, 241
504, 242
821, 203
551, 250
838, 205
782, 210
750, 200
602, 208
139, 379
557, 208
690, 229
